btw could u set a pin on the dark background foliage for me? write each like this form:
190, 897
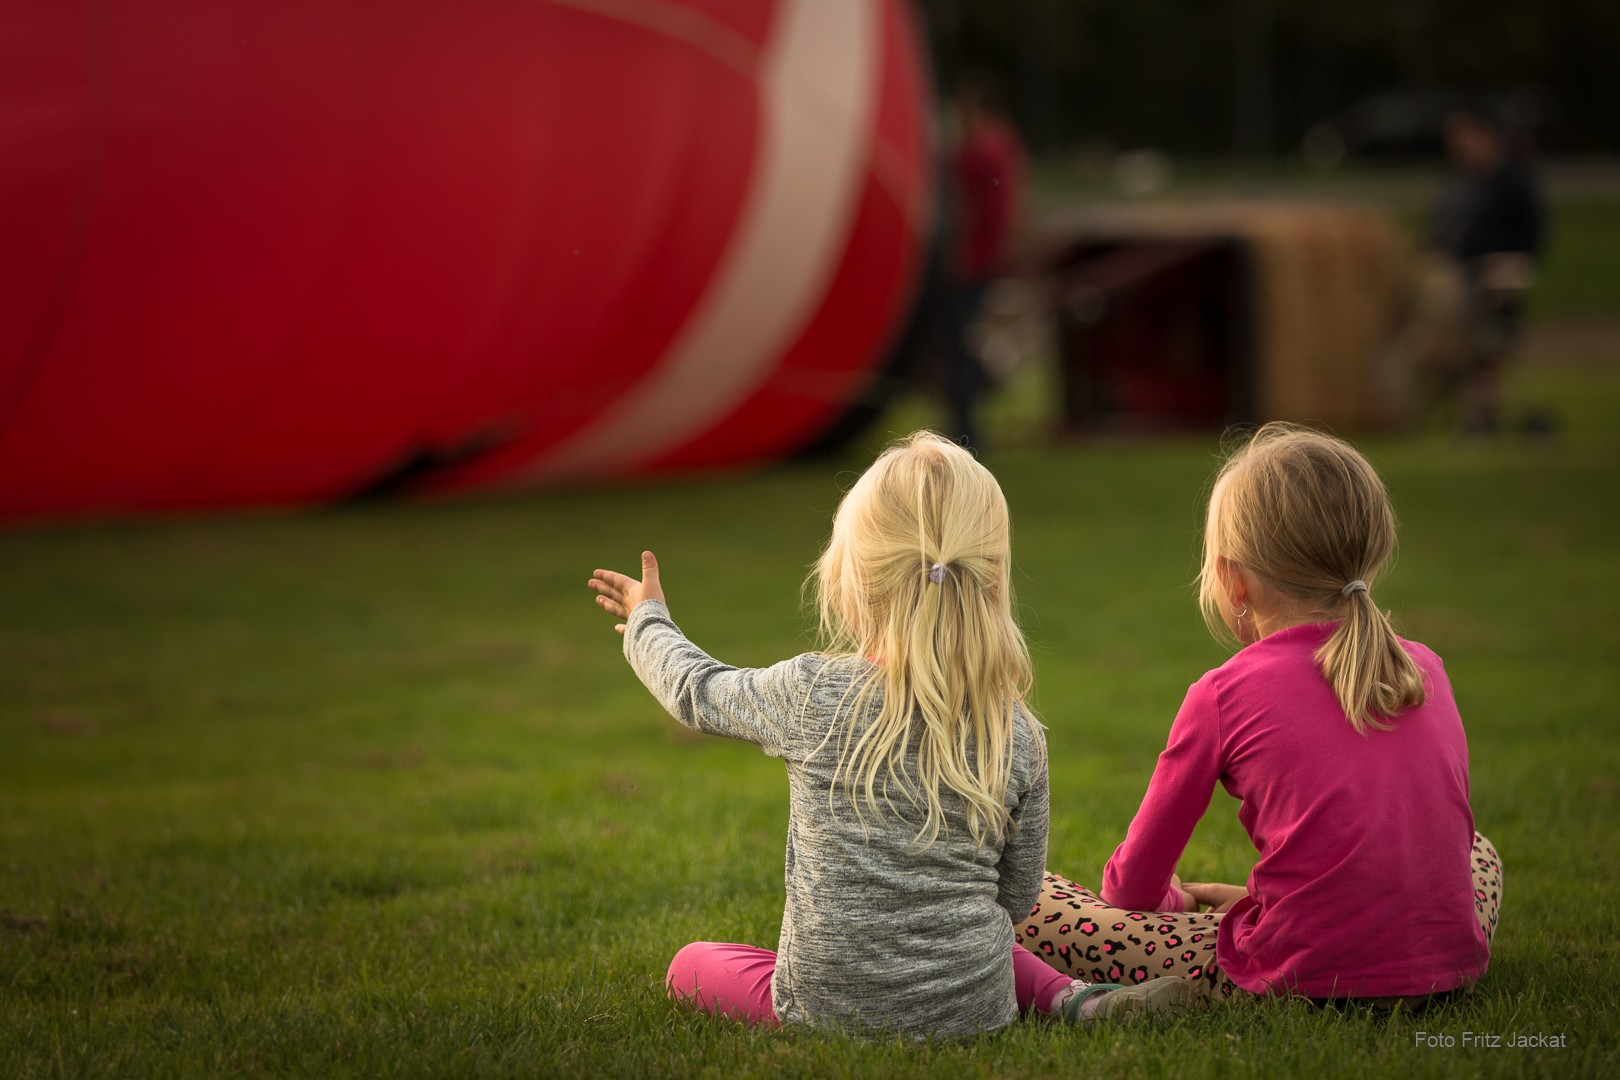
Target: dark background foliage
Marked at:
1251, 76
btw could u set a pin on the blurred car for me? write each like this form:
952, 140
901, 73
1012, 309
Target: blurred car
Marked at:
1408, 123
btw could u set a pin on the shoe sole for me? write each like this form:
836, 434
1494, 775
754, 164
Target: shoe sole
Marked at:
1134, 1002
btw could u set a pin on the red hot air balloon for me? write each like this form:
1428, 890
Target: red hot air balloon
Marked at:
275, 253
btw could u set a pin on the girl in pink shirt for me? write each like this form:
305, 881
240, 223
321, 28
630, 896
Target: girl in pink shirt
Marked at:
1344, 744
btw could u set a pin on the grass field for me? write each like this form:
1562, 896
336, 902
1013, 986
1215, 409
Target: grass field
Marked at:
370, 791
1582, 278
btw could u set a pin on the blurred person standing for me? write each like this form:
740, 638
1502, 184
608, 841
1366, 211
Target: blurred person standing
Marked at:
986, 192
1488, 228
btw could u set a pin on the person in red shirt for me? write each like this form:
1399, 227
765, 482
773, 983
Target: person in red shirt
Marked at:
986, 189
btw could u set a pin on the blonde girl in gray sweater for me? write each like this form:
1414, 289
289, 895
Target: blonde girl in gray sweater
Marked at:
917, 775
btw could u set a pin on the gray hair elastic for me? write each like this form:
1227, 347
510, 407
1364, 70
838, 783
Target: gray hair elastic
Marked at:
1355, 586
936, 573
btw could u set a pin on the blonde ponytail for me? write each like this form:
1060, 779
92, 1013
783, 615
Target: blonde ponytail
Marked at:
917, 575
1370, 673
1310, 517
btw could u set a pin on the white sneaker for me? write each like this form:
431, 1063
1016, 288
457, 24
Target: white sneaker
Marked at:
1130, 1003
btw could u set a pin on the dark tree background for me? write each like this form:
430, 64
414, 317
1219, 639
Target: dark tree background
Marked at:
1251, 76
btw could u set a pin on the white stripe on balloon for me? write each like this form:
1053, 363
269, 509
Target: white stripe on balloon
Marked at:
817, 90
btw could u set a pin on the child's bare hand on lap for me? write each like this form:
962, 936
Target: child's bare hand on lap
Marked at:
1219, 897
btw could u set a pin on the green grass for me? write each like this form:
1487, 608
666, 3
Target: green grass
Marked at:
1581, 274
371, 792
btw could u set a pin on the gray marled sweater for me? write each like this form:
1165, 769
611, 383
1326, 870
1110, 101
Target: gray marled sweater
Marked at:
871, 934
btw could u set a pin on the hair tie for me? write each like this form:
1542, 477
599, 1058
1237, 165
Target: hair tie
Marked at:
936, 573
1355, 586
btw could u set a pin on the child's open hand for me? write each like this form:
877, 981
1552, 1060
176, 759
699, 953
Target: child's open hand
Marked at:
1220, 898
619, 594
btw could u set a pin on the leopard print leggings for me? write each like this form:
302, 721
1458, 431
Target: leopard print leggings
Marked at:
1076, 933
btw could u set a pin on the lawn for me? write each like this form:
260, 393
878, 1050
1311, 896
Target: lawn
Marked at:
370, 791
1582, 273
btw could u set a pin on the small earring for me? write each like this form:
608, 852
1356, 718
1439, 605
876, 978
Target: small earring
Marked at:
1240, 614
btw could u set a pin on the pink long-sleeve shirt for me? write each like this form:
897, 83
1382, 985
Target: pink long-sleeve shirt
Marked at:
1363, 886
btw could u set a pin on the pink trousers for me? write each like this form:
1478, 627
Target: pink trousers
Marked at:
735, 980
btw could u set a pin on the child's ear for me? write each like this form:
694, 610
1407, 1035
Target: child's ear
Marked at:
1234, 582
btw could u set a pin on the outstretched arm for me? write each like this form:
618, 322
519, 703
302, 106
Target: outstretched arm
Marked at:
756, 705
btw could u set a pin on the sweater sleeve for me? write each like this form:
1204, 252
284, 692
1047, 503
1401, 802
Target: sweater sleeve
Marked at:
756, 705
1137, 878
1023, 856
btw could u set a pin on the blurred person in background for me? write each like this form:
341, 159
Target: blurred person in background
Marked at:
985, 178
1488, 228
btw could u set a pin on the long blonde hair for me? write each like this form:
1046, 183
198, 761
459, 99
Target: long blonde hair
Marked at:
954, 665
1309, 516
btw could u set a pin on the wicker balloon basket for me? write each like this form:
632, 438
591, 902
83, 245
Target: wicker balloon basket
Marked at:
1186, 315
